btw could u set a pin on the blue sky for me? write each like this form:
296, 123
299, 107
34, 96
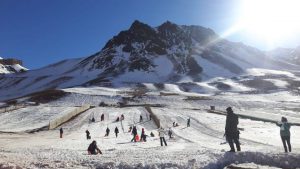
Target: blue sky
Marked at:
41, 32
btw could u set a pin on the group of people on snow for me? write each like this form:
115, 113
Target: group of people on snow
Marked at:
231, 133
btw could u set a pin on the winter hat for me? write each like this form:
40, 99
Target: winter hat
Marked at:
229, 109
283, 119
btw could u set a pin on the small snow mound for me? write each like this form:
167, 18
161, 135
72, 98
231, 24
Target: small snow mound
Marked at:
9, 166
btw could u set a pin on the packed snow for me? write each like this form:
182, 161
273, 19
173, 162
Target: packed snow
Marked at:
200, 146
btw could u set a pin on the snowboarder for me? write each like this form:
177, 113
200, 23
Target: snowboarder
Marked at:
143, 136
188, 122
88, 134
170, 133
61, 132
285, 133
122, 117
107, 132
116, 131
102, 117
231, 130
161, 132
134, 133
93, 149
141, 118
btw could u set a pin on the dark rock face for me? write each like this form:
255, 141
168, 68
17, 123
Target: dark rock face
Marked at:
135, 48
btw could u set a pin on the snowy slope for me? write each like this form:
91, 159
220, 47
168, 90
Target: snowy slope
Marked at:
168, 53
199, 146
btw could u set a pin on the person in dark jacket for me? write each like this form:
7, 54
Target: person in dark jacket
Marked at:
93, 149
134, 133
107, 132
231, 130
122, 117
88, 134
188, 122
116, 131
102, 117
61, 132
170, 133
143, 135
285, 133
141, 118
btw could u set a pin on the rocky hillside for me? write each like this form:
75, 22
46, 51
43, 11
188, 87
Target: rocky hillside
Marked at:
168, 53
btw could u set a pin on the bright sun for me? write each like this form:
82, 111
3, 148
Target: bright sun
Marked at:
272, 20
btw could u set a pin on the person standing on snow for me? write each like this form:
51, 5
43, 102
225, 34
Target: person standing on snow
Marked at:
134, 133
231, 130
143, 136
161, 133
116, 131
61, 132
107, 131
93, 149
141, 118
285, 133
88, 134
102, 117
188, 122
170, 133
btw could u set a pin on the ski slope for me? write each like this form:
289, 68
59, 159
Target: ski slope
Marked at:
201, 145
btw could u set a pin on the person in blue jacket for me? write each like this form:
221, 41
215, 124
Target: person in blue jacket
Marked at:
285, 133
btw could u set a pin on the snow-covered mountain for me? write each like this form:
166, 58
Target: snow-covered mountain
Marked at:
11, 68
286, 54
168, 53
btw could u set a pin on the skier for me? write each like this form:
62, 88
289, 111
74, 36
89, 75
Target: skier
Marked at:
188, 122
134, 133
102, 117
285, 133
61, 132
231, 130
143, 136
116, 131
88, 134
93, 119
152, 134
141, 118
170, 133
161, 132
107, 132
122, 117
174, 124
118, 119
93, 149
150, 116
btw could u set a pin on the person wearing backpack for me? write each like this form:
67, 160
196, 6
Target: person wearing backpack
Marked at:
285, 133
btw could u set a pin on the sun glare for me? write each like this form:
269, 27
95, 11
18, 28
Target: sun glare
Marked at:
272, 20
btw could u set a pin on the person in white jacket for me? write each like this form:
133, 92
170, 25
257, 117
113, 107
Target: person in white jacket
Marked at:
161, 133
